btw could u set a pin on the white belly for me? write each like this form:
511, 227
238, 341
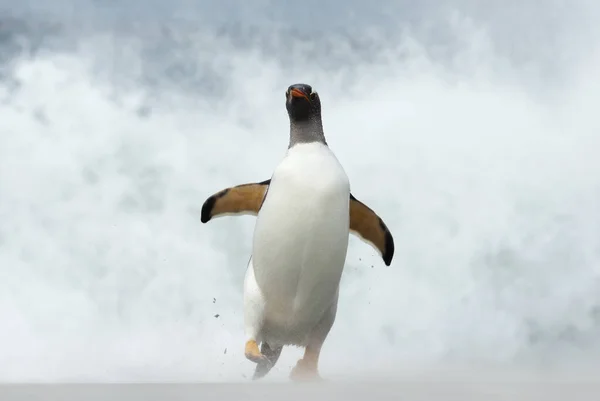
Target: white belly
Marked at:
301, 239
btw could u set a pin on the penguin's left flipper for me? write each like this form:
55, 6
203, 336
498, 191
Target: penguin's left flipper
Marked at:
368, 226
237, 200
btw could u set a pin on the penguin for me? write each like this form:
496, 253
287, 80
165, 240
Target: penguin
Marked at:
304, 215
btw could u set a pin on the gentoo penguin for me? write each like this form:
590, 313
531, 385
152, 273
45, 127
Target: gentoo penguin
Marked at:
305, 213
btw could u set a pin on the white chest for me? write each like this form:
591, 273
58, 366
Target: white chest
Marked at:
301, 233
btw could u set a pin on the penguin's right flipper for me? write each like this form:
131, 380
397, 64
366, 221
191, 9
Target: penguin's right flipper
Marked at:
237, 200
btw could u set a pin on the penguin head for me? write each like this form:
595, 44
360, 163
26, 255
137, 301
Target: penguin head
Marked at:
302, 103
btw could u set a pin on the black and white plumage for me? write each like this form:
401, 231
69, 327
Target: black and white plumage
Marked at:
305, 213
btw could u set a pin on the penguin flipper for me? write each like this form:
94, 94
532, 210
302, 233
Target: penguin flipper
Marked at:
237, 200
368, 226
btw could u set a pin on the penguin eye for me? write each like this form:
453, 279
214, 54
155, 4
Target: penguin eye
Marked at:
313, 95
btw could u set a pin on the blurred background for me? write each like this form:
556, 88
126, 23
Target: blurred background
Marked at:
470, 127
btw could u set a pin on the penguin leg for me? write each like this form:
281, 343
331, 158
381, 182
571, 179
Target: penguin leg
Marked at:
252, 352
307, 368
254, 306
272, 356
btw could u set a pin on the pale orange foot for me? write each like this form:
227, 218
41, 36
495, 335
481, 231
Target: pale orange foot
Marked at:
305, 370
253, 353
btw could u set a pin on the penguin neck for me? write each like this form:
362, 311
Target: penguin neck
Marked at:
306, 131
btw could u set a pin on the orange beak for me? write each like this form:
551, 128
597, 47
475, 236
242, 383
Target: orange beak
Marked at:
298, 93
